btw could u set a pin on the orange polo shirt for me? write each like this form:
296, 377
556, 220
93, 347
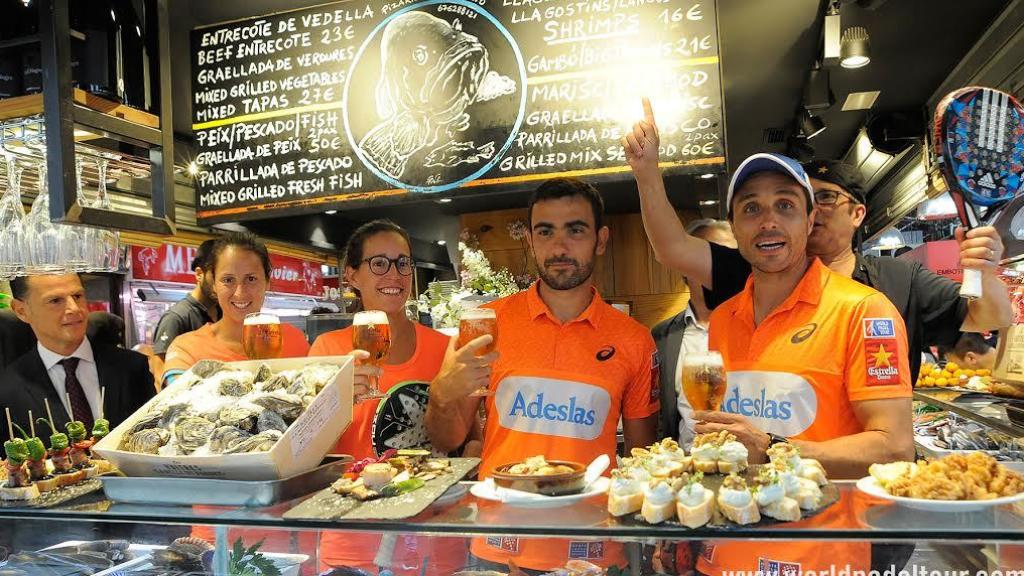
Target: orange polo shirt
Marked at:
442, 555
559, 389
831, 343
201, 344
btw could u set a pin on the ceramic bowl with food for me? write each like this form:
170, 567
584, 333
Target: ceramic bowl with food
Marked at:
550, 478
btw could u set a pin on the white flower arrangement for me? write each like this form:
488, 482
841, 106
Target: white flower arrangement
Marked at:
478, 282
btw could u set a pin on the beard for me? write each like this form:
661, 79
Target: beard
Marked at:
566, 278
206, 287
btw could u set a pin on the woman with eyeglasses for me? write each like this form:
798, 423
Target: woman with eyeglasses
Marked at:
379, 266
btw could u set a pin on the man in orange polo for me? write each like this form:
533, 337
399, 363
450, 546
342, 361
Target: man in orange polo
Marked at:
813, 358
569, 365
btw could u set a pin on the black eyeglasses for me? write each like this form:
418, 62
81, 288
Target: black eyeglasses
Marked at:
831, 197
381, 265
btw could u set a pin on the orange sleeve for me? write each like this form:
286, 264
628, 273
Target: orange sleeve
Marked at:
333, 343
179, 358
295, 343
878, 361
642, 397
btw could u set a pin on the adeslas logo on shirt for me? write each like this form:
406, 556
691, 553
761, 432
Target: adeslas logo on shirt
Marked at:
782, 403
552, 407
536, 407
759, 407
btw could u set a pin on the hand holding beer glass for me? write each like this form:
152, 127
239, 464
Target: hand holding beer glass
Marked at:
372, 332
703, 380
474, 323
261, 336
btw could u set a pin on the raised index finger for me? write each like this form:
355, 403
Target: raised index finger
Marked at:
648, 111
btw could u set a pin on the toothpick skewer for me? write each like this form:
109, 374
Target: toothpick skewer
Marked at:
71, 411
32, 424
10, 427
103, 399
49, 414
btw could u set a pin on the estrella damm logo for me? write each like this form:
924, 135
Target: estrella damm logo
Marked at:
883, 369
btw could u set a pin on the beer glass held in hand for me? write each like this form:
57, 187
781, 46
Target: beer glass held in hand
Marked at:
372, 333
474, 323
703, 380
261, 336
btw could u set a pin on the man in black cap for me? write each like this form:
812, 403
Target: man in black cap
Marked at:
930, 304
198, 307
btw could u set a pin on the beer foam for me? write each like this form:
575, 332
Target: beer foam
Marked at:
477, 314
261, 319
368, 317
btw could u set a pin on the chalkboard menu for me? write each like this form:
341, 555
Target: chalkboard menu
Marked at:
359, 101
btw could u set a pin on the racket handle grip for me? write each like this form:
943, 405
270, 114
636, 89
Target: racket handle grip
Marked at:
971, 286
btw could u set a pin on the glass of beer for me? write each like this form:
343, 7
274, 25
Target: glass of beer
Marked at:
474, 323
703, 380
372, 332
261, 336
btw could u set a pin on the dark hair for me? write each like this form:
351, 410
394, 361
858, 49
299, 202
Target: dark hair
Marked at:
354, 247
19, 286
556, 188
968, 342
203, 254
105, 328
243, 240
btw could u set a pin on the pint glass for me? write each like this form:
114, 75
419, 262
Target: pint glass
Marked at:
474, 323
703, 380
261, 336
372, 333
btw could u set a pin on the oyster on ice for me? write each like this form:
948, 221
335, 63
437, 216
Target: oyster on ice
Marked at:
193, 432
258, 443
238, 416
288, 406
226, 438
146, 441
270, 420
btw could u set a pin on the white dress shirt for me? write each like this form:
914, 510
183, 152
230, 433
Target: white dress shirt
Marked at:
695, 339
88, 377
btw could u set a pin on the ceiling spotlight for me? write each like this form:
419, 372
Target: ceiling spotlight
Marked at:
193, 168
706, 176
444, 200
330, 212
810, 126
708, 202
855, 48
441, 242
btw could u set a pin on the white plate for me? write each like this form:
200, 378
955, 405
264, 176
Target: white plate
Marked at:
869, 485
484, 491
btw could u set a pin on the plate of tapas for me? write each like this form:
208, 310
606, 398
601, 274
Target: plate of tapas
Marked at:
398, 484
41, 477
956, 483
715, 486
537, 482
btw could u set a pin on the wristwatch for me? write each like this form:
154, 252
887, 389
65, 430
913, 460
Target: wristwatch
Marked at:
774, 439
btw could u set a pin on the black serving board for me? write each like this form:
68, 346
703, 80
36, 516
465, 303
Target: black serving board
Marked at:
829, 496
329, 505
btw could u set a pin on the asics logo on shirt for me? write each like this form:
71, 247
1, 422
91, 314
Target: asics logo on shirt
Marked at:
552, 407
605, 353
804, 333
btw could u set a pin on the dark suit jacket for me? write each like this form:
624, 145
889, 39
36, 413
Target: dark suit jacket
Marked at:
16, 338
668, 337
124, 374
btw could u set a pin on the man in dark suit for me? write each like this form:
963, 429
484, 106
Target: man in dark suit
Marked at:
64, 367
685, 333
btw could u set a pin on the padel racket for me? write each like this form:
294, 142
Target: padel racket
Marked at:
979, 142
